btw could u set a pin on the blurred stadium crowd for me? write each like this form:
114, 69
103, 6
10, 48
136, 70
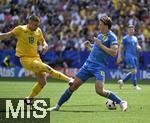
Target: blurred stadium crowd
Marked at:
68, 23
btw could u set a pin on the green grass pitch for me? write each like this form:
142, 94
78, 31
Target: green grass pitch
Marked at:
85, 106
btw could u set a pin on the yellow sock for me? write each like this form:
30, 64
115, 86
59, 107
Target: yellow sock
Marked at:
35, 90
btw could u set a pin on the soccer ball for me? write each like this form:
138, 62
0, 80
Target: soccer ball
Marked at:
110, 105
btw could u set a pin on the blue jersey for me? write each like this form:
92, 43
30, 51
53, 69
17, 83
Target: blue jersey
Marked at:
130, 51
97, 55
130, 44
98, 59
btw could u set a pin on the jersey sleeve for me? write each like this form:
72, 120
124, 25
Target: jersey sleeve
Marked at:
99, 36
40, 38
114, 41
16, 30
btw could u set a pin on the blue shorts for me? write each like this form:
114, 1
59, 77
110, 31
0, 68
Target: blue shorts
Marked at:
131, 63
91, 70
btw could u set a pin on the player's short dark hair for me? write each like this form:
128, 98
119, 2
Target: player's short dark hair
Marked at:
107, 21
34, 18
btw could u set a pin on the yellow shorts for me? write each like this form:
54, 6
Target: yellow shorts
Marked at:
34, 64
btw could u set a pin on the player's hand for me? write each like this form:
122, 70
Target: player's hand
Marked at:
87, 44
97, 41
139, 48
44, 48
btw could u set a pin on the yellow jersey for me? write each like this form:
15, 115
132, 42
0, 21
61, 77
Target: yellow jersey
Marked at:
27, 41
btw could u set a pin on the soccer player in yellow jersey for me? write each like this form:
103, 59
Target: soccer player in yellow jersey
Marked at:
29, 36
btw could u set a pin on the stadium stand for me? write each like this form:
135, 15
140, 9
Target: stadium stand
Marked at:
68, 23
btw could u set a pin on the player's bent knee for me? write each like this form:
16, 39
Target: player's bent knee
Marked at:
43, 83
75, 85
41, 78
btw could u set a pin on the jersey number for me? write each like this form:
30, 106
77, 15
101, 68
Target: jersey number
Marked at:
31, 40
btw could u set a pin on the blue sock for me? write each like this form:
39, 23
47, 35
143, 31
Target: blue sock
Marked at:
134, 79
112, 96
126, 77
64, 97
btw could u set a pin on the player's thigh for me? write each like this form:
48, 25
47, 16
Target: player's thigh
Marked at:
26, 63
34, 64
100, 80
99, 75
38, 66
84, 74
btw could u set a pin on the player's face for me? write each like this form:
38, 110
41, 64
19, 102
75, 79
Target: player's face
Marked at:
102, 27
33, 25
131, 31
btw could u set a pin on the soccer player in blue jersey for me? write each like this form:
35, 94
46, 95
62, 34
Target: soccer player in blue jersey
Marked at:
128, 50
105, 45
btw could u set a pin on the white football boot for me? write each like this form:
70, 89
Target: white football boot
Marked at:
137, 87
124, 106
55, 108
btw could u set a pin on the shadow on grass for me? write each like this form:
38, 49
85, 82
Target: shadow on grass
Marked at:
80, 105
80, 110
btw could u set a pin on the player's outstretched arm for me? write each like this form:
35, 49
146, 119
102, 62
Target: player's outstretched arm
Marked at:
119, 58
44, 47
111, 51
7, 35
138, 47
